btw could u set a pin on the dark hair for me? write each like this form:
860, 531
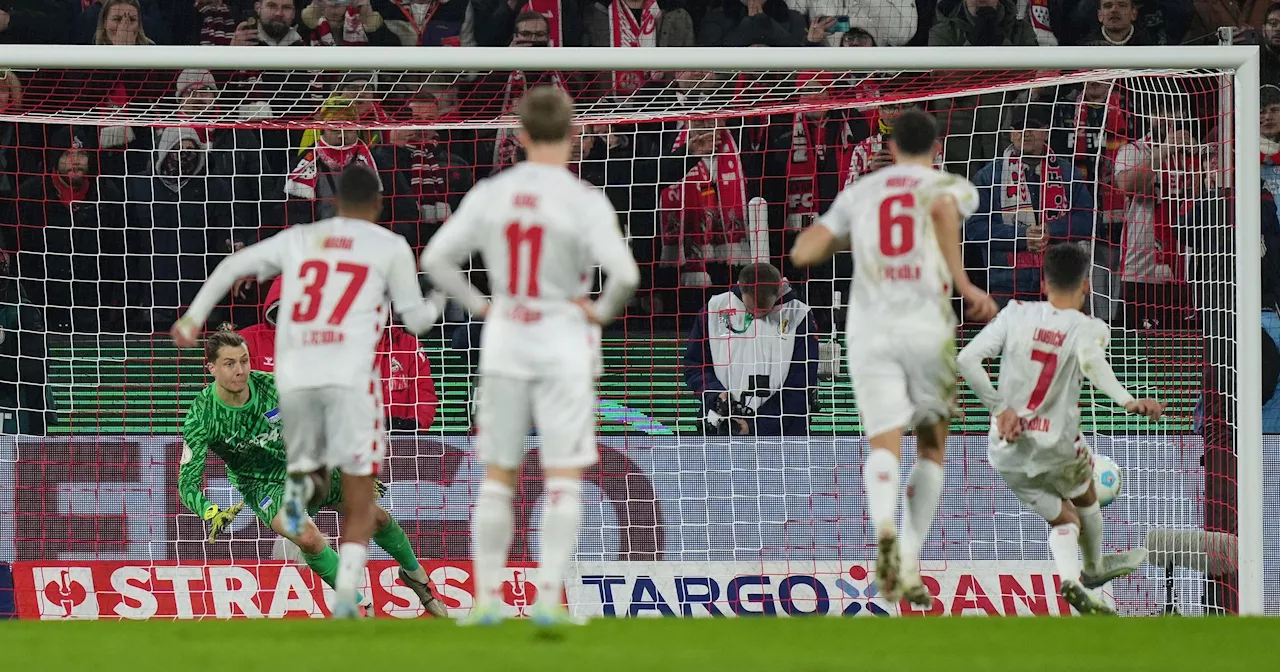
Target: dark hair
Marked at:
222, 338
760, 280
358, 187
531, 15
915, 132
1065, 266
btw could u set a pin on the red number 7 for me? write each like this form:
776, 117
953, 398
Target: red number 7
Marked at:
1048, 366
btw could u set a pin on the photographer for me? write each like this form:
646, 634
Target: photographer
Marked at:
752, 358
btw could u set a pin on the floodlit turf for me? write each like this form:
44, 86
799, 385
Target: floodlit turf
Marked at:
733, 645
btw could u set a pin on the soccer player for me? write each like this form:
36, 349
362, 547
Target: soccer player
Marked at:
903, 224
1035, 431
541, 232
236, 418
337, 274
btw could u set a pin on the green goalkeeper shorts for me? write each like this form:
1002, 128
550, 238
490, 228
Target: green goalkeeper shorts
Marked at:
265, 500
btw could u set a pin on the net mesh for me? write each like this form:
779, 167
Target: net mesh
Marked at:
120, 190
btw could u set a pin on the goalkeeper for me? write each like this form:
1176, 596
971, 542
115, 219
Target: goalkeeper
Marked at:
236, 418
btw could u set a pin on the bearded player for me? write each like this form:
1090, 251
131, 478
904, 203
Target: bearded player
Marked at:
903, 224
337, 274
541, 231
1046, 348
236, 418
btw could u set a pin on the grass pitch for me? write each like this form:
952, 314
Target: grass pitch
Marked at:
707, 645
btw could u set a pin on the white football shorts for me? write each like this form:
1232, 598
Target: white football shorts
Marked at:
902, 381
1043, 493
562, 408
334, 427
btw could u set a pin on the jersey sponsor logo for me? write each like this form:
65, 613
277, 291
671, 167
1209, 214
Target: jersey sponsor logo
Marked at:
186, 454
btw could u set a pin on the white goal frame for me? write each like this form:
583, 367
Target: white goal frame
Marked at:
1240, 64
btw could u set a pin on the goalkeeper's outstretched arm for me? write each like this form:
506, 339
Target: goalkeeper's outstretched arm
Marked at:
195, 450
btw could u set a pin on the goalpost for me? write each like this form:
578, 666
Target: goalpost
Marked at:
679, 521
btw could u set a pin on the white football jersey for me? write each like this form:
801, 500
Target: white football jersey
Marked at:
900, 276
337, 274
541, 231
1042, 351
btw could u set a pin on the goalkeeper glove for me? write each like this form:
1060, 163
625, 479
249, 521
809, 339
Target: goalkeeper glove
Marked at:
219, 520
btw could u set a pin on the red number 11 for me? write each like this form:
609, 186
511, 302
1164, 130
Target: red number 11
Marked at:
1048, 366
517, 236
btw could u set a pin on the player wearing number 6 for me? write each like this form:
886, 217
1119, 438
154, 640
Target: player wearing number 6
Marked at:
1046, 348
903, 224
337, 274
541, 231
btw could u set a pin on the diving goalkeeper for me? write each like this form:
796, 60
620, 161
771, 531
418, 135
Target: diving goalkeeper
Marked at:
236, 418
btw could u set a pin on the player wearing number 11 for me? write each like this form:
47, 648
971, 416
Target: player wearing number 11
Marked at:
541, 231
336, 274
903, 224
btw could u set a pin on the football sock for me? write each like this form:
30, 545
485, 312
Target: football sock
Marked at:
491, 526
1063, 542
561, 516
324, 564
1091, 537
392, 539
351, 563
924, 489
880, 478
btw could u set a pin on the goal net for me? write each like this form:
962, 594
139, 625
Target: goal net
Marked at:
121, 189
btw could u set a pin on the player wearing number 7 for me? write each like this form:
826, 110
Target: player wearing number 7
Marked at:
337, 274
903, 224
541, 231
1046, 348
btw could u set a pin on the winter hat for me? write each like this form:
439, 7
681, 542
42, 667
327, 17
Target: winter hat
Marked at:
193, 78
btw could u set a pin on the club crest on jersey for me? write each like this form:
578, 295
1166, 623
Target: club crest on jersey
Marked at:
785, 323
266, 502
272, 416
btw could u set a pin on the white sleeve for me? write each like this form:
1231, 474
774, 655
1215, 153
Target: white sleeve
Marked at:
1128, 157
609, 249
406, 296
1093, 364
986, 345
839, 217
454, 243
261, 260
963, 191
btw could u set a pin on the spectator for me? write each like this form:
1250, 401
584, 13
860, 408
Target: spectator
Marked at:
147, 18
408, 391
1157, 174
119, 22
35, 22
636, 23
345, 23
891, 23
971, 122
272, 25
1117, 25
26, 406
1269, 40
495, 21
440, 172
432, 23
763, 387
21, 154
532, 30
182, 216
854, 37
1044, 16
205, 22
1161, 21
704, 215
1269, 129
312, 184
124, 149
872, 153
753, 22
1028, 198
273, 93
71, 231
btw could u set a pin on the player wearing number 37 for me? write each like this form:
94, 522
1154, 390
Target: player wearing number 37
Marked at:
337, 274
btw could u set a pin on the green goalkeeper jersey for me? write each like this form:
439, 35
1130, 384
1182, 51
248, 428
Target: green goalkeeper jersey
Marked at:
247, 438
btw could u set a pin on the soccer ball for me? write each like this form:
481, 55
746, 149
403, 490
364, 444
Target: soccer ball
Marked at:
1106, 479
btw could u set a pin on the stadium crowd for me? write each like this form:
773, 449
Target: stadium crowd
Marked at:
110, 229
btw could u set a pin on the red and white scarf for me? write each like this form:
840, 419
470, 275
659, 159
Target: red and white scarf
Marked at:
626, 31
550, 10
704, 216
1015, 196
302, 180
353, 32
505, 147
